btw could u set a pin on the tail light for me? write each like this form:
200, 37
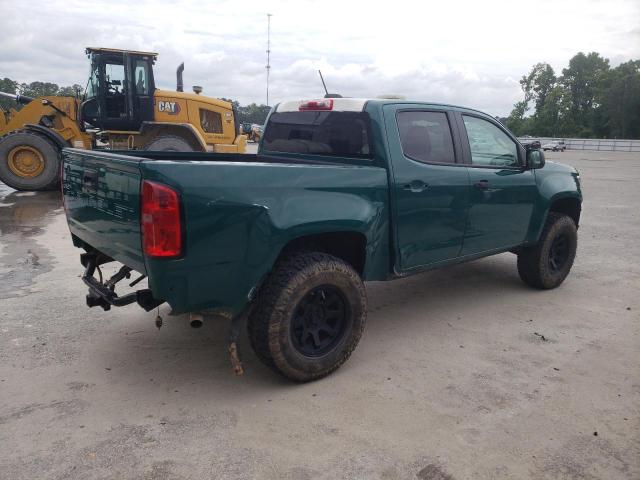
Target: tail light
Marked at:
325, 104
161, 225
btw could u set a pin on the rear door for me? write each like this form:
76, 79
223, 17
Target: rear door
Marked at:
502, 191
102, 201
430, 184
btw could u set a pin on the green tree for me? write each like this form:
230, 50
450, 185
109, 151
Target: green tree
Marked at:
584, 79
589, 99
619, 109
536, 87
8, 86
74, 90
538, 84
38, 89
254, 113
516, 121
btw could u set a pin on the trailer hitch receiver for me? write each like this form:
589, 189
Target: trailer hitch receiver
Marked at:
103, 294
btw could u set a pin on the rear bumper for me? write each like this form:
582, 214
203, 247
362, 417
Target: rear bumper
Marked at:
102, 294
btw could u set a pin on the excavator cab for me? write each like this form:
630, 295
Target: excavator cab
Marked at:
119, 94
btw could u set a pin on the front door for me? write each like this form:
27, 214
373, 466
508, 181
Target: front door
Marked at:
143, 88
116, 113
501, 191
430, 185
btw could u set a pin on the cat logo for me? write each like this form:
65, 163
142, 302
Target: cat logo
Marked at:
172, 108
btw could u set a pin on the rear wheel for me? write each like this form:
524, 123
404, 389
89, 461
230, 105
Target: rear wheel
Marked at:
548, 263
29, 161
309, 317
169, 143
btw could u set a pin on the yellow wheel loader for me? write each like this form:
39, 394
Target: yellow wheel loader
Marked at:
122, 109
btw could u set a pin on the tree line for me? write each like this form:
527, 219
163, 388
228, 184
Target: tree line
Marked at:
588, 100
35, 89
252, 113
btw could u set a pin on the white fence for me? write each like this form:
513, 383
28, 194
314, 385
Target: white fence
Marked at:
592, 144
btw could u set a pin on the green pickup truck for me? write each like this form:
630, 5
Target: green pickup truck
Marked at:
341, 191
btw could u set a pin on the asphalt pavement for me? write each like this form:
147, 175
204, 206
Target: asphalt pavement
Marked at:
462, 373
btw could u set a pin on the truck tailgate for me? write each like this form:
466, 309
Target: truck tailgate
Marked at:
102, 200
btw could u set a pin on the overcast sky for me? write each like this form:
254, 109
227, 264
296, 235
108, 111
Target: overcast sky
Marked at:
471, 53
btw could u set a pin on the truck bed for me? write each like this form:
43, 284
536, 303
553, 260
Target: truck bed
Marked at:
238, 211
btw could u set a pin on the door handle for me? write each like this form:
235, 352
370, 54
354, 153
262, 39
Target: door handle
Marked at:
416, 186
482, 184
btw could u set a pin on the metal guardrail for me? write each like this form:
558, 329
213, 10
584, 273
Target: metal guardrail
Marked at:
603, 144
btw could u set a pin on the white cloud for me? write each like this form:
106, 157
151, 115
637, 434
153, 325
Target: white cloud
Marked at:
470, 53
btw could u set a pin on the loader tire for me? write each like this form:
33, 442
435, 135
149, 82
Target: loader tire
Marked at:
169, 143
29, 161
309, 316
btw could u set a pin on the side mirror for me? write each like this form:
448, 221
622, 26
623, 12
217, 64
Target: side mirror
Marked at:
535, 159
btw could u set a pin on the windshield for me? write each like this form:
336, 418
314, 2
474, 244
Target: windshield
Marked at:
319, 132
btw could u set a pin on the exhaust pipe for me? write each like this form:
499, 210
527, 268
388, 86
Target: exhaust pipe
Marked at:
179, 82
195, 319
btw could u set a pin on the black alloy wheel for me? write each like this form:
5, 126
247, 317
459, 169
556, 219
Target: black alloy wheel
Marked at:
558, 253
319, 321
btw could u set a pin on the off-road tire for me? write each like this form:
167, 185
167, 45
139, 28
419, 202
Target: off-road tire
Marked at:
534, 265
270, 323
169, 143
48, 179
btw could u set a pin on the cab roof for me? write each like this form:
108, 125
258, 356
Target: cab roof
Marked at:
117, 50
345, 104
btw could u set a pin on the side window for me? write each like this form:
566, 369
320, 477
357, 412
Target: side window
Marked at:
426, 136
211, 122
142, 77
490, 146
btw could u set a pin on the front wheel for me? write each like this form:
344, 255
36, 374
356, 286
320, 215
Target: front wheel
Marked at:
309, 317
548, 263
29, 161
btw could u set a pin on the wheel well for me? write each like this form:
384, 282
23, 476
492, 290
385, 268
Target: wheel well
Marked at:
51, 135
349, 246
568, 206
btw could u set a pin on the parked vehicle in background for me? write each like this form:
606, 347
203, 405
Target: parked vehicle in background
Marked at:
556, 146
253, 131
341, 191
530, 144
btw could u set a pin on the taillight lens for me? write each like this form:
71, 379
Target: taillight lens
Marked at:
161, 226
325, 104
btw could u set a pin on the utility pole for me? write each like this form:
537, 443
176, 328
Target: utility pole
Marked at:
268, 53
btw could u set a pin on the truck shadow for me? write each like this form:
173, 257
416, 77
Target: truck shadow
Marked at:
181, 357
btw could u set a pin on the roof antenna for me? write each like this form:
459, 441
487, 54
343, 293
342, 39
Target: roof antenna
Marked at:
326, 92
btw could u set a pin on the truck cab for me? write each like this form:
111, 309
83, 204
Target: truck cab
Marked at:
120, 89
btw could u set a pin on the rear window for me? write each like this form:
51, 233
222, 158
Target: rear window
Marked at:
344, 134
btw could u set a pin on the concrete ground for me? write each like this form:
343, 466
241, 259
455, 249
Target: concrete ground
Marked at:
462, 373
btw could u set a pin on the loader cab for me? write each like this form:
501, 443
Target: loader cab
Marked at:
119, 94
